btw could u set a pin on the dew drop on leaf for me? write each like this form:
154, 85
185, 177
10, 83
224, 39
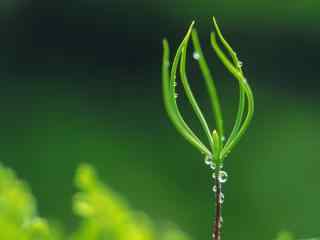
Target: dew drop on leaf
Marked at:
221, 198
196, 56
214, 189
223, 176
207, 160
213, 165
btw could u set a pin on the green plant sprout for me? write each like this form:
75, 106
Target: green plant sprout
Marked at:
219, 147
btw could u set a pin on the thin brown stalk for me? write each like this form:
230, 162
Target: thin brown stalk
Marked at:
217, 224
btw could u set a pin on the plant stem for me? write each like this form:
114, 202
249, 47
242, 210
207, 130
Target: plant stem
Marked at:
217, 225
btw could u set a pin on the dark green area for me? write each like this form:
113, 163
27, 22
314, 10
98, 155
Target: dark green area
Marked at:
80, 82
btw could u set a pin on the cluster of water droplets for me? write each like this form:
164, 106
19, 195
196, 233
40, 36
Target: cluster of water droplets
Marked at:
222, 176
208, 161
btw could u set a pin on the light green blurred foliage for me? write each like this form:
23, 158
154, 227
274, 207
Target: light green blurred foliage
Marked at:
285, 236
107, 216
104, 215
171, 233
18, 219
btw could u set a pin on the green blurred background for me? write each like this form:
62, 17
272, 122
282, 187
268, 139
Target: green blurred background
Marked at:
80, 82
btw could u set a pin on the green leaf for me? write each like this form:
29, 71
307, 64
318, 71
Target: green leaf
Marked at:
170, 100
247, 90
188, 91
215, 102
237, 64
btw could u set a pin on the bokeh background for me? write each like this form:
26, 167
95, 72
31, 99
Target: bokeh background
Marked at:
80, 82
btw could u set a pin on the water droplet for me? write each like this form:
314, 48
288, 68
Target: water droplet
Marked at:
213, 235
214, 189
207, 160
175, 84
223, 176
213, 166
176, 95
221, 198
196, 56
221, 219
240, 64
223, 138
214, 175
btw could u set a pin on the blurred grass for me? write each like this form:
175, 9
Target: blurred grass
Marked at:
104, 215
